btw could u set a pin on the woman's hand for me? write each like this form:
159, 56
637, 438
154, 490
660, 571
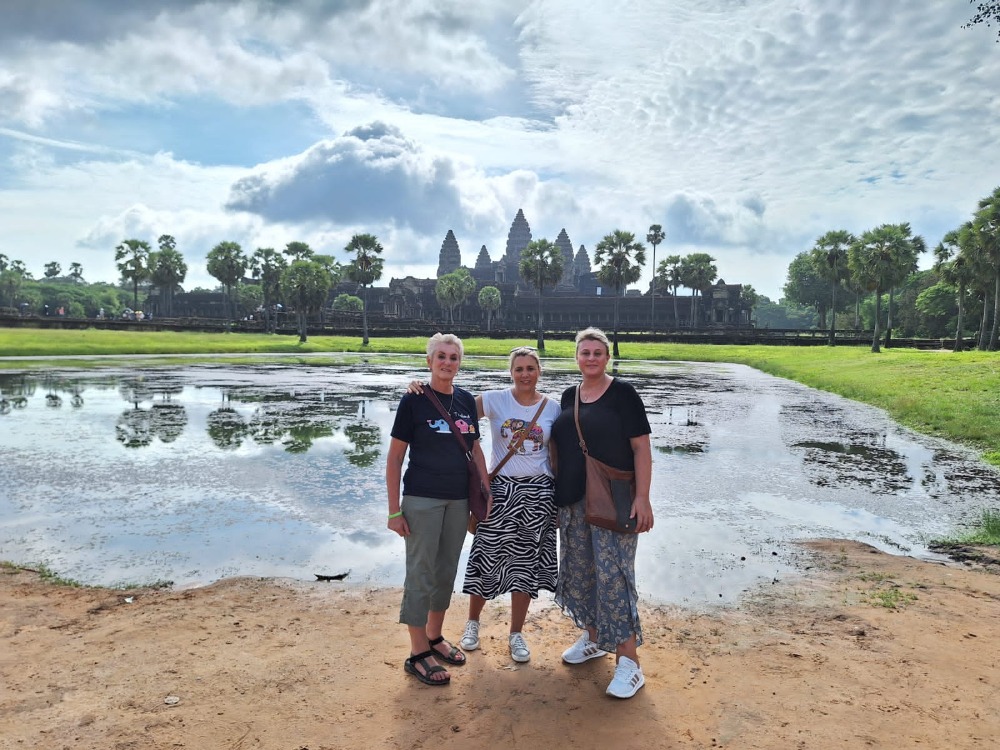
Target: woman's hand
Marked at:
399, 525
415, 387
642, 512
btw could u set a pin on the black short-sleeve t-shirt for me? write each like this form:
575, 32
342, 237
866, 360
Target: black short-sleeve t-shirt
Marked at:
608, 425
437, 465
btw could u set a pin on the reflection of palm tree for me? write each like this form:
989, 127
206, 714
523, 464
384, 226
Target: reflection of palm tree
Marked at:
134, 428
169, 421
135, 390
265, 428
227, 428
301, 436
366, 438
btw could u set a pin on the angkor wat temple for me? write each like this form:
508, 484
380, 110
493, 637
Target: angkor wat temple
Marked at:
577, 301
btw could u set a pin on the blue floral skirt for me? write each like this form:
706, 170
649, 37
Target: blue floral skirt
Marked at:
596, 584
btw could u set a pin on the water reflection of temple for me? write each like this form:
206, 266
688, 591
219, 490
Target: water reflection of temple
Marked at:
578, 300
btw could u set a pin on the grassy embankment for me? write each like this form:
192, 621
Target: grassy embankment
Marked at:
953, 396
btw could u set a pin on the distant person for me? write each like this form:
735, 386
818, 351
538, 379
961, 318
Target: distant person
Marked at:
597, 565
433, 513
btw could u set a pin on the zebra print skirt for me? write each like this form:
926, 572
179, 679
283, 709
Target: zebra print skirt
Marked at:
515, 548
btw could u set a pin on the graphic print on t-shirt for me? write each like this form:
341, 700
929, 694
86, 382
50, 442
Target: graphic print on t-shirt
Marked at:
512, 430
441, 425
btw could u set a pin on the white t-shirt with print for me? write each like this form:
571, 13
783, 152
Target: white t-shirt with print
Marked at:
508, 420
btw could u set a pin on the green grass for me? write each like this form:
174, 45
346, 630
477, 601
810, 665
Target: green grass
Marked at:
986, 531
48, 575
891, 598
44, 572
941, 393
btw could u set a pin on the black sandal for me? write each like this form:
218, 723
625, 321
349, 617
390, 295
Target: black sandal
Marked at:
425, 677
452, 656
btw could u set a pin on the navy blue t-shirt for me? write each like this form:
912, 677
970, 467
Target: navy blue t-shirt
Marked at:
608, 424
437, 466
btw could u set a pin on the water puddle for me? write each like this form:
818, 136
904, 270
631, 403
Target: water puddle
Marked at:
196, 472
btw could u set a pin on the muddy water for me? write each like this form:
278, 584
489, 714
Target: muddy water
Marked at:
198, 472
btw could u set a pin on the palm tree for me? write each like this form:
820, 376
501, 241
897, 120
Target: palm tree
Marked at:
697, 273
452, 289
305, 285
872, 260
227, 263
167, 271
365, 269
905, 251
541, 265
986, 225
669, 272
748, 300
132, 257
267, 265
298, 251
489, 300
654, 237
830, 255
621, 259
76, 272
953, 262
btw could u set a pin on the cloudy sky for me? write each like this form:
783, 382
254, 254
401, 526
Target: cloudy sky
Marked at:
746, 128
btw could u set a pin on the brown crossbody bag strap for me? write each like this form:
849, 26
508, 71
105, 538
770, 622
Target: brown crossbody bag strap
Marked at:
576, 418
516, 445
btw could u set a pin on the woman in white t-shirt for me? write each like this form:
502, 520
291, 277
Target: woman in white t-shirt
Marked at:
514, 549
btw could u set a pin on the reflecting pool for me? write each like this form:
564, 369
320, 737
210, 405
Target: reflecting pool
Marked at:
195, 472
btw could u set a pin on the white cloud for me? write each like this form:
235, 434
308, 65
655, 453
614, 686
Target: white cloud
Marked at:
746, 129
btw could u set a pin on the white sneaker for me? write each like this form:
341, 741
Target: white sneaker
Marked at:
519, 650
583, 650
627, 680
470, 638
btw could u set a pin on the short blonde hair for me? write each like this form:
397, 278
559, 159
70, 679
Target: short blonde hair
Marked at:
444, 338
524, 351
593, 334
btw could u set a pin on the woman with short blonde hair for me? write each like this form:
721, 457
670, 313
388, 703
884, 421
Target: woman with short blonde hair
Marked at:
432, 513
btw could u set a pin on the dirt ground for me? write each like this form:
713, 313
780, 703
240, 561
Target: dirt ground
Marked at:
813, 662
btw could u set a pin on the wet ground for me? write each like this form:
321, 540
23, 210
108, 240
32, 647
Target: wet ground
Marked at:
195, 472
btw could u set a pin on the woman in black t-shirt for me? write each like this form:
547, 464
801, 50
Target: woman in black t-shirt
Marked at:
433, 513
597, 566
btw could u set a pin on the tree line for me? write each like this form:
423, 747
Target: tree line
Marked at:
299, 280
844, 276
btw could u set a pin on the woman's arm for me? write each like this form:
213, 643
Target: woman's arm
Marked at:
479, 406
393, 476
642, 454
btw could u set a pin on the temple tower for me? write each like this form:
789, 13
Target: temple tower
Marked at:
483, 270
517, 239
450, 257
567, 282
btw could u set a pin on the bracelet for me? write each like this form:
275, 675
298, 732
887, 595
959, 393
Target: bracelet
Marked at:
395, 515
